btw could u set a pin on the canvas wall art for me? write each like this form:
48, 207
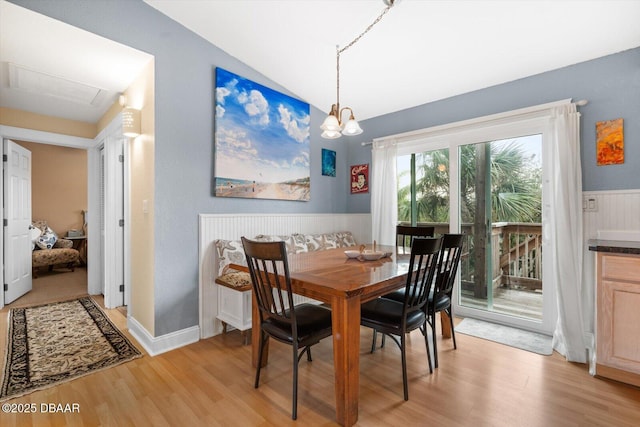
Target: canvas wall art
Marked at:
261, 141
328, 162
609, 142
359, 179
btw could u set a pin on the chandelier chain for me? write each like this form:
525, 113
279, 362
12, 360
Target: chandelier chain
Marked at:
354, 41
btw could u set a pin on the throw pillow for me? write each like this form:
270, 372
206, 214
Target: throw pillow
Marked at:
34, 233
47, 239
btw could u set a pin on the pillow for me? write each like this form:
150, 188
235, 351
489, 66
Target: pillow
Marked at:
229, 252
288, 240
47, 239
235, 279
34, 233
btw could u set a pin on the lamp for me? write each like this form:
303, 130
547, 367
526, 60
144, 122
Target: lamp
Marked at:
130, 122
333, 127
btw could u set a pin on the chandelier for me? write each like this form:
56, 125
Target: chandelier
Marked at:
333, 126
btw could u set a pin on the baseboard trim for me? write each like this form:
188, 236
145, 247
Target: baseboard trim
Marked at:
158, 345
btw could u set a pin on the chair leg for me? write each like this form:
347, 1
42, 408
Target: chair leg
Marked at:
404, 366
453, 331
426, 342
434, 338
263, 341
294, 407
373, 340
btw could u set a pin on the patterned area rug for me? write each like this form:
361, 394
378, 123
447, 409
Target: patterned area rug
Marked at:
525, 340
54, 343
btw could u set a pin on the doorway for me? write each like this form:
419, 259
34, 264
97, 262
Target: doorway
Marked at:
57, 202
501, 212
95, 262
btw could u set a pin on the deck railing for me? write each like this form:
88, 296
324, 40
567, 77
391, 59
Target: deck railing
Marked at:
516, 255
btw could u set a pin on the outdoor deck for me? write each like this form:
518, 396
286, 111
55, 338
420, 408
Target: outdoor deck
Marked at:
519, 303
516, 268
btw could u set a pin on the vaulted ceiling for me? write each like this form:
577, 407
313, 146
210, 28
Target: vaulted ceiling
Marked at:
421, 51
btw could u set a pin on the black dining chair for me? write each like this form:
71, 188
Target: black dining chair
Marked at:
406, 233
300, 326
441, 296
404, 238
397, 319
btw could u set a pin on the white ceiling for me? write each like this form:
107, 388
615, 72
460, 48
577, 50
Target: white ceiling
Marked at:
421, 51
52, 68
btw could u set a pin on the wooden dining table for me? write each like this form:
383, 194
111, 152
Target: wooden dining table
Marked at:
343, 283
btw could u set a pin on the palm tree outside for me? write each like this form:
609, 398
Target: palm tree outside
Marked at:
512, 179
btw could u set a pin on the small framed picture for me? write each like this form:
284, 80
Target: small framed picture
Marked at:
609, 142
328, 162
359, 177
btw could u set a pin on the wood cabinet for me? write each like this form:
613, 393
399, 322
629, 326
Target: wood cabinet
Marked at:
618, 317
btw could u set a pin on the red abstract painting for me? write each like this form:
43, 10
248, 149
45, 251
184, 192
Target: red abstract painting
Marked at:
609, 142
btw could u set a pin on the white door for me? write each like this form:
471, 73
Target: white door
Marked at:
17, 214
112, 222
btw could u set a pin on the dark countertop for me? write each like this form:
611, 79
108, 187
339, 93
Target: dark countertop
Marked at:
614, 246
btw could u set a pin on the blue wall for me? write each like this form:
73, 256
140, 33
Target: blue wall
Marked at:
611, 85
185, 65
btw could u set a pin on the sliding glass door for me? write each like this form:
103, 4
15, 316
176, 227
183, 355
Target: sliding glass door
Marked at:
500, 200
490, 186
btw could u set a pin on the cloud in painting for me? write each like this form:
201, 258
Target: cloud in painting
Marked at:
296, 129
221, 94
255, 104
302, 160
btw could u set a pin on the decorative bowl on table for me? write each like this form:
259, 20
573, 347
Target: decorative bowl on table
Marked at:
372, 255
352, 254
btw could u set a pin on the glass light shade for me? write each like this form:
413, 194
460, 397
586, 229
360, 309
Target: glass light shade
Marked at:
352, 128
130, 122
330, 134
331, 124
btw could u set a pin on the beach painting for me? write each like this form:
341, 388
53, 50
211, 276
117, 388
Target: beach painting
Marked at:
261, 141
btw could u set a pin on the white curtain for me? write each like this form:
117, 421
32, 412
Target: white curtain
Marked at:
566, 232
384, 192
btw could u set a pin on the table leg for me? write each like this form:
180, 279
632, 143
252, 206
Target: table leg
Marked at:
445, 324
346, 358
255, 336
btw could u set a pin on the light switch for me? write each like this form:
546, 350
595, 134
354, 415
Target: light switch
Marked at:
145, 206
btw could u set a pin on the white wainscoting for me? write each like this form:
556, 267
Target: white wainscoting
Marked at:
615, 211
234, 226
616, 217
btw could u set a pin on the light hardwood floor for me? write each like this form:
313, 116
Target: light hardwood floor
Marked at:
210, 383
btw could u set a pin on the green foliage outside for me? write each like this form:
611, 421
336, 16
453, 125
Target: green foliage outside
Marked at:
516, 185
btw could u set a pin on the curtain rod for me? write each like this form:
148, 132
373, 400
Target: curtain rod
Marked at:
580, 103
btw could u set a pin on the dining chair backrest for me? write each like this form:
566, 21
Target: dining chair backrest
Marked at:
448, 262
269, 270
422, 269
279, 317
406, 233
